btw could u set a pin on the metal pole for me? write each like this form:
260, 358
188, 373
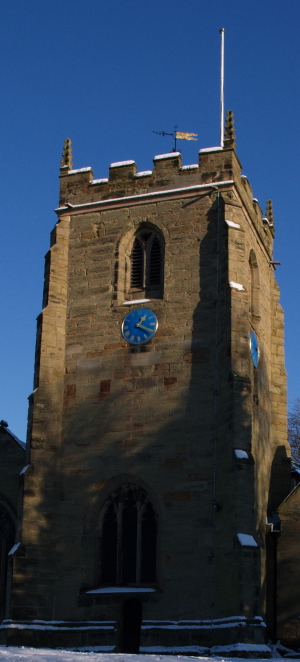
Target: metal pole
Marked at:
222, 33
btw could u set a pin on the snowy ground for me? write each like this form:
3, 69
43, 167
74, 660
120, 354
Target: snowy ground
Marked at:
14, 654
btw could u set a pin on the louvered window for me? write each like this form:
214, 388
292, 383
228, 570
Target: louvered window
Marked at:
146, 263
155, 263
137, 264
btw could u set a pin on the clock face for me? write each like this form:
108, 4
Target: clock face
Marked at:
139, 326
254, 349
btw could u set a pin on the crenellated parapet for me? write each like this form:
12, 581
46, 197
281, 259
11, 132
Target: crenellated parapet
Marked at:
216, 166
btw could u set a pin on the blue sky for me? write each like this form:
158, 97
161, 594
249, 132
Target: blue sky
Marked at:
108, 74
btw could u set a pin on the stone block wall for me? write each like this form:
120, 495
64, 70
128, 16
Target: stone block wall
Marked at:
168, 416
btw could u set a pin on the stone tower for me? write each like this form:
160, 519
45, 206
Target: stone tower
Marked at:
155, 453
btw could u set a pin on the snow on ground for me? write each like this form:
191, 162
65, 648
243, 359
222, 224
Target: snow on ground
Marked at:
22, 654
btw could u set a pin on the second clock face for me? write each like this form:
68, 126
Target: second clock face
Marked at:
139, 326
254, 349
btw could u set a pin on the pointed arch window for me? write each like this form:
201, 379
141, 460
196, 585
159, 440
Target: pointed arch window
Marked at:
146, 263
128, 538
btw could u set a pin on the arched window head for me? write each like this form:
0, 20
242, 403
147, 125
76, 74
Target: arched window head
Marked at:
254, 305
128, 538
146, 263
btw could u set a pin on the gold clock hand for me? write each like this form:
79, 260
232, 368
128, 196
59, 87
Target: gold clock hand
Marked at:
142, 319
145, 328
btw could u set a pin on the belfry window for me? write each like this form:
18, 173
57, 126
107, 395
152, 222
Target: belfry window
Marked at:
128, 540
146, 263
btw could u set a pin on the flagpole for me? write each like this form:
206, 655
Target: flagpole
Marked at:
222, 33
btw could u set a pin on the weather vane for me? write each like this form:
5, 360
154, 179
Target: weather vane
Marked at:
178, 135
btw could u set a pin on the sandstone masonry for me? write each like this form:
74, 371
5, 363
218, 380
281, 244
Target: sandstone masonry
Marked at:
172, 453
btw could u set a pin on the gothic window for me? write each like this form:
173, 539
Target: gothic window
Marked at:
254, 307
146, 263
128, 540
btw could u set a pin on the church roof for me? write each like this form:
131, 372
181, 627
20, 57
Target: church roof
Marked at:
4, 428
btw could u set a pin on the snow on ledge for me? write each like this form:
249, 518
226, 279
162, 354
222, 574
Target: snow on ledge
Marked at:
231, 224
74, 172
118, 164
99, 181
14, 549
24, 469
120, 589
218, 623
210, 149
190, 167
236, 286
130, 303
255, 648
170, 155
145, 173
246, 541
241, 455
56, 626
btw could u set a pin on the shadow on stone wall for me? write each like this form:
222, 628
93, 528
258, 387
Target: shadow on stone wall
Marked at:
179, 447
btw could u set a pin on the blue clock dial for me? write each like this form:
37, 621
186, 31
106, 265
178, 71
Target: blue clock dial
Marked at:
254, 349
139, 326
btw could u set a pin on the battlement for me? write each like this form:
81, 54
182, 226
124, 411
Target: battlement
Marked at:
79, 186
216, 167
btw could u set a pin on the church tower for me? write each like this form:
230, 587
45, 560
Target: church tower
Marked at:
157, 425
